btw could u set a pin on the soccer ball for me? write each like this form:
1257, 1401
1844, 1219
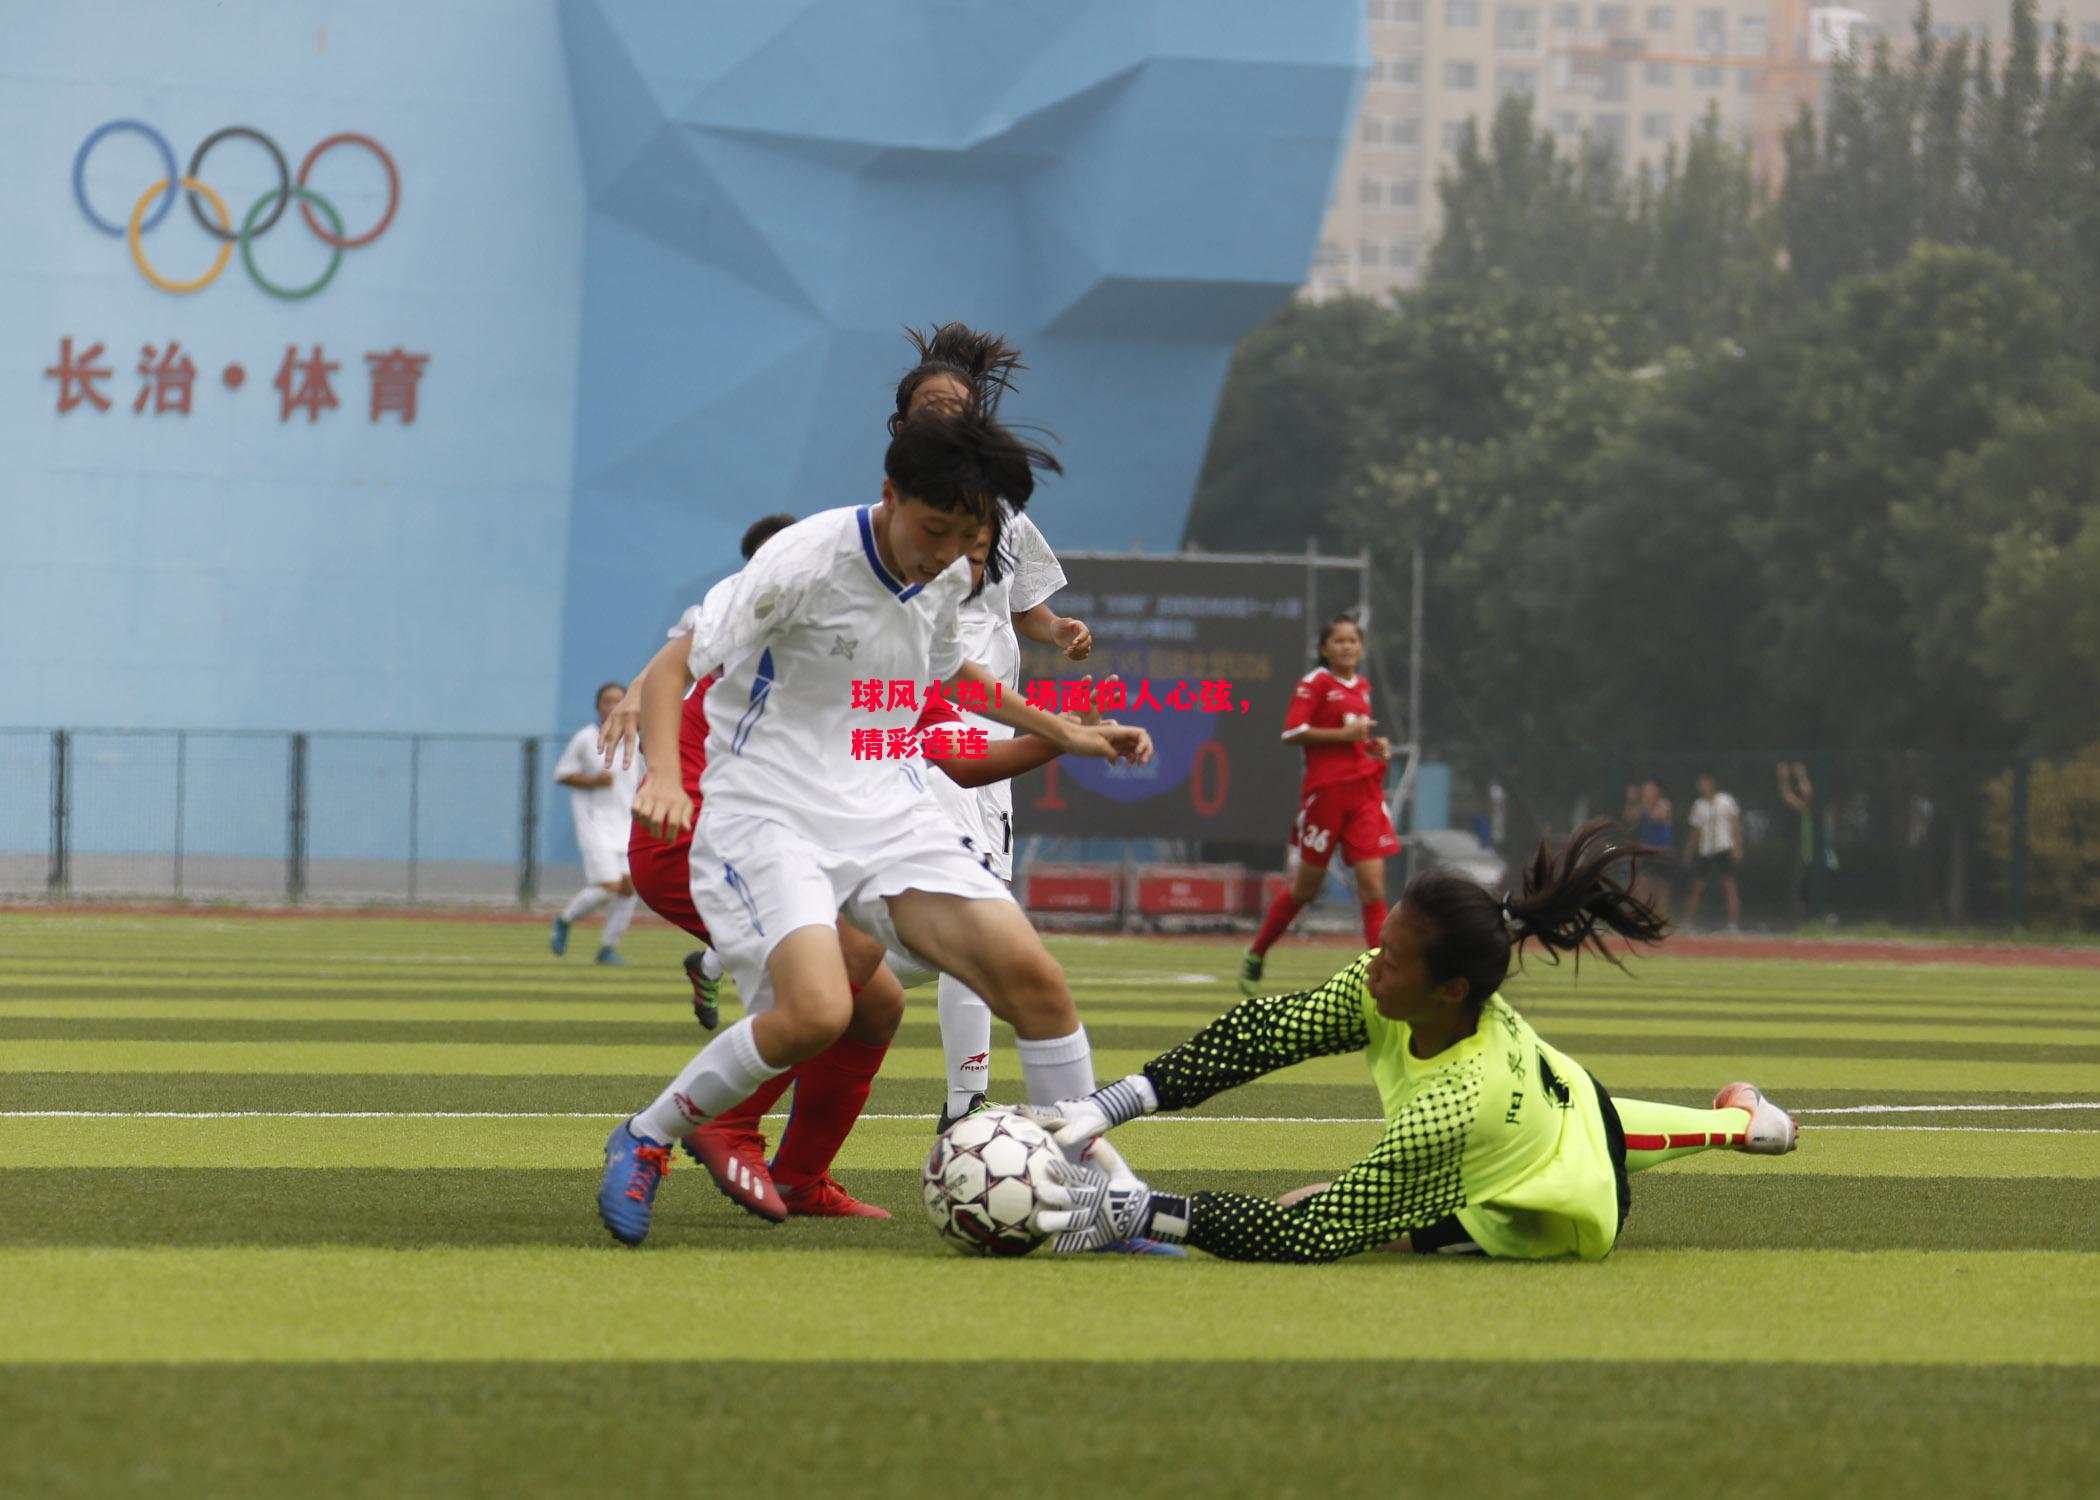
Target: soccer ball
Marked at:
981, 1179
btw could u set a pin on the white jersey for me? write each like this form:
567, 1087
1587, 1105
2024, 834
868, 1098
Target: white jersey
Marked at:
815, 612
601, 812
1029, 574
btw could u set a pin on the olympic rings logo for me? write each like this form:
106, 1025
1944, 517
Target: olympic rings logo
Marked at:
255, 225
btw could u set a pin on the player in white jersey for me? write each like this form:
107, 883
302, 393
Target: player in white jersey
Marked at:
601, 800
795, 828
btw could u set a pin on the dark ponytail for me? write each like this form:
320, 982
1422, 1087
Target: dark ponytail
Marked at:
985, 362
1570, 899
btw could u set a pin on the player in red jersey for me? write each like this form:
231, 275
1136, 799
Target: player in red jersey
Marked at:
1341, 803
837, 1080
666, 864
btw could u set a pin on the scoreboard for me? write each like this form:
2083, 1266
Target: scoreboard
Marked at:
1208, 650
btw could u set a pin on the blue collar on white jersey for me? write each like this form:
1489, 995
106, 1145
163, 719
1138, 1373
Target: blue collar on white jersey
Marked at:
867, 545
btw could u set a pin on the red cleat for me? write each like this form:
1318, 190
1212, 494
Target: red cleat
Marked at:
825, 1199
736, 1159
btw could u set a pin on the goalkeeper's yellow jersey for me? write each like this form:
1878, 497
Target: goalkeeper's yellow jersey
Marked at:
1533, 1171
1501, 1129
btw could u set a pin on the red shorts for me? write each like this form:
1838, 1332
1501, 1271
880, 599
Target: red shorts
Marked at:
1351, 815
663, 878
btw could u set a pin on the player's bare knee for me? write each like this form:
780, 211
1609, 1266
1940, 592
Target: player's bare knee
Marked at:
1306, 883
1038, 1001
878, 1010
792, 1033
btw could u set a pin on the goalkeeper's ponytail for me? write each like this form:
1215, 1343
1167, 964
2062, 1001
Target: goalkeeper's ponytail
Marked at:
1569, 900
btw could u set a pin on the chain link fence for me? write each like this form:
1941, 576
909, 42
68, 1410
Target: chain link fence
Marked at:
220, 815
1899, 839
1905, 839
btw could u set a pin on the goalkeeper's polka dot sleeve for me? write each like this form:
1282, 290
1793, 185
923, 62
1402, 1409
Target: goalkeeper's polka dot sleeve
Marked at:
1413, 1177
1261, 1035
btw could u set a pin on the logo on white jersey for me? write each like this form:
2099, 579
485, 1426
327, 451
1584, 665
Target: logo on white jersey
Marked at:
842, 646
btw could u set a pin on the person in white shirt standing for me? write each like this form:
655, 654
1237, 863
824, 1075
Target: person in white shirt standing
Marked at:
1717, 848
807, 815
601, 800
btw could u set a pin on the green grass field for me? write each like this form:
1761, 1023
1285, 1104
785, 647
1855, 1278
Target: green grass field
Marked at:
306, 1207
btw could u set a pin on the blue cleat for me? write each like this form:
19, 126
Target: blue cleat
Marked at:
558, 937
610, 956
627, 1196
1141, 1247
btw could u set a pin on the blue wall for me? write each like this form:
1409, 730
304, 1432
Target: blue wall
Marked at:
227, 568
658, 255
1122, 186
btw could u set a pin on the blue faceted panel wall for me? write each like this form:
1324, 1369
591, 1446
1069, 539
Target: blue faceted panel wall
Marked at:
1122, 187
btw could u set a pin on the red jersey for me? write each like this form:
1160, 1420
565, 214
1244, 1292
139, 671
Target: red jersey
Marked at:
692, 738
1325, 701
933, 714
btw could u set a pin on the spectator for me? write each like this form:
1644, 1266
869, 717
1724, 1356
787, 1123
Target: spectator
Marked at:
1716, 840
1799, 794
1648, 812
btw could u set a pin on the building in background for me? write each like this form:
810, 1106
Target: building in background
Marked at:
1639, 75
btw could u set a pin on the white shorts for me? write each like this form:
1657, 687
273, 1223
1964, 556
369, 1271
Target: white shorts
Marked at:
755, 881
604, 860
982, 813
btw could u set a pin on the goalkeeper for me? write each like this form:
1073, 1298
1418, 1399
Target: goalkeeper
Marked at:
1495, 1143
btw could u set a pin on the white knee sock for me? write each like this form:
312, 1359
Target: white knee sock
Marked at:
725, 1072
586, 901
1057, 1068
966, 1042
616, 919
710, 964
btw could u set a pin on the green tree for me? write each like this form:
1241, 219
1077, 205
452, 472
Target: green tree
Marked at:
1905, 371
1295, 411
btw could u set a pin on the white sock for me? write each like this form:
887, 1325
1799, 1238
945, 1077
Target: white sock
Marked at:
585, 901
1060, 1067
726, 1071
966, 1042
710, 964
616, 920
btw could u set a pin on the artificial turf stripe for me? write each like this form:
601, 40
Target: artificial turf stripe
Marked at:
379, 1001
422, 1208
1189, 1430
558, 1301
1157, 1145
669, 985
607, 1020
619, 1094
1622, 1071
674, 1031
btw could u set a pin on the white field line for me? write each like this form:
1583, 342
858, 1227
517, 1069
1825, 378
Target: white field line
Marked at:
1935, 1109
497, 1114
